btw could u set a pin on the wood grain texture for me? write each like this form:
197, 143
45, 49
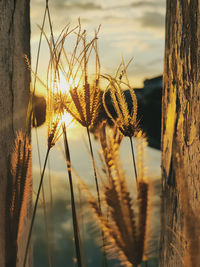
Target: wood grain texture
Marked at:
180, 132
14, 90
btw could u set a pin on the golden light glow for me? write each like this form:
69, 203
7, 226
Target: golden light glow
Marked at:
62, 86
67, 119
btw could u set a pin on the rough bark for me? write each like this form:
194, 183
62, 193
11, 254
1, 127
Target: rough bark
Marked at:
181, 136
14, 95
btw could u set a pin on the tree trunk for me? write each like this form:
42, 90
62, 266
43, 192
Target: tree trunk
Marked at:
14, 96
181, 136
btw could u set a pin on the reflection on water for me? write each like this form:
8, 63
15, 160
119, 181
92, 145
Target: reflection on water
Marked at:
60, 229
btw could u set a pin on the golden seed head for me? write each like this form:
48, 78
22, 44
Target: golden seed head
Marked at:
125, 119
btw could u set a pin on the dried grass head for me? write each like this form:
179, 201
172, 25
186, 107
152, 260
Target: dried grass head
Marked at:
81, 97
86, 94
125, 118
19, 184
110, 140
125, 228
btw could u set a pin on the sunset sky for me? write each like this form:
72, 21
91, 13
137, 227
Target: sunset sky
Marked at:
131, 28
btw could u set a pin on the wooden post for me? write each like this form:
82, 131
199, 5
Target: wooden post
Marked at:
14, 94
181, 136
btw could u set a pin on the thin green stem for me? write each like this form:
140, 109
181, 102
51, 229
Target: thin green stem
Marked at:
35, 208
74, 216
134, 164
98, 194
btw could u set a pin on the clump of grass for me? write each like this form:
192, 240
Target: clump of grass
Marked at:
52, 135
125, 234
85, 102
83, 99
19, 184
85, 95
125, 119
53, 119
125, 228
59, 102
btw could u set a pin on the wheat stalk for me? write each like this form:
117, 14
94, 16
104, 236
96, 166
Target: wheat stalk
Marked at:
53, 130
125, 119
58, 102
85, 98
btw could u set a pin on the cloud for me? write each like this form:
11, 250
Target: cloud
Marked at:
159, 3
63, 12
88, 6
69, 5
152, 20
133, 27
128, 46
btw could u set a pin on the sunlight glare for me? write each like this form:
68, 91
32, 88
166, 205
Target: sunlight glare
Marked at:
63, 86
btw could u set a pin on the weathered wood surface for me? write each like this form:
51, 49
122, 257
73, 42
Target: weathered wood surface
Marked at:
181, 135
14, 92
